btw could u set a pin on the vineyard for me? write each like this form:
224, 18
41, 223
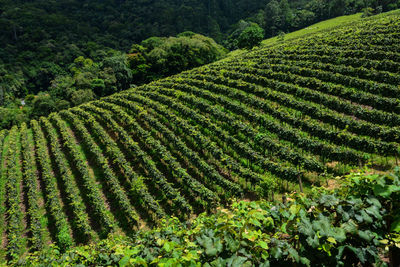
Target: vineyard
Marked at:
274, 119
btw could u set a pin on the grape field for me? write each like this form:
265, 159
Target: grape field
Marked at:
249, 126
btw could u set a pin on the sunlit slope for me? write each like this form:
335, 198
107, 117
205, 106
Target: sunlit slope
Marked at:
319, 27
249, 126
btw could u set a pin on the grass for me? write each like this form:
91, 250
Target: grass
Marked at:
319, 27
325, 25
315, 28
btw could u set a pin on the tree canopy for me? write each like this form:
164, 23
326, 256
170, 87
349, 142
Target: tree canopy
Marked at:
60, 47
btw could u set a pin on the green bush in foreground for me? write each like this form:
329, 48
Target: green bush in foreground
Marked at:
356, 223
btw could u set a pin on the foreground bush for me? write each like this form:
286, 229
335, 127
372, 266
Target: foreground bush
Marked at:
356, 223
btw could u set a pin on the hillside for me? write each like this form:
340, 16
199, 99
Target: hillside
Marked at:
247, 127
55, 55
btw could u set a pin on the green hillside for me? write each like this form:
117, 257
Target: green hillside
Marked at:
249, 127
325, 25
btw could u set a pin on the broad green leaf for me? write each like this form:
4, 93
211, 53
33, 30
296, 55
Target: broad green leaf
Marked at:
305, 261
313, 241
385, 191
294, 254
366, 217
236, 261
349, 227
276, 252
124, 261
395, 227
331, 240
327, 248
168, 246
263, 244
366, 235
294, 209
329, 200
269, 223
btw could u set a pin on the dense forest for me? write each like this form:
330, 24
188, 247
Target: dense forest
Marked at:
57, 54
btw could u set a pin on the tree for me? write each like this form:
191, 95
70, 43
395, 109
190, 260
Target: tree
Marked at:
12, 115
119, 64
82, 96
302, 18
367, 12
272, 18
319, 7
167, 56
286, 16
337, 8
251, 36
62, 104
43, 105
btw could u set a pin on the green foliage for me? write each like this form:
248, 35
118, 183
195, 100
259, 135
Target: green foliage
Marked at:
286, 16
106, 72
158, 57
42, 105
82, 96
256, 125
63, 237
41, 39
59, 48
12, 115
367, 12
345, 226
251, 36
247, 35
386, 190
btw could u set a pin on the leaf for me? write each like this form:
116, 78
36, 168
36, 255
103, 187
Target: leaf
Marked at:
366, 235
294, 254
328, 200
385, 191
313, 241
374, 202
276, 252
358, 252
124, 261
350, 227
294, 209
323, 226
236, 261
212, 245
331, 240
366, 217
269, 223
263, 244
251, 235
339, 234
305, 261
305, 227
283, 228
231, 243
255, 222
168, 246
265, 264
374, 211
395, 227
191, 255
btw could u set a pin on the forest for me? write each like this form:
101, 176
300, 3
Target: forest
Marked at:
58, 54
